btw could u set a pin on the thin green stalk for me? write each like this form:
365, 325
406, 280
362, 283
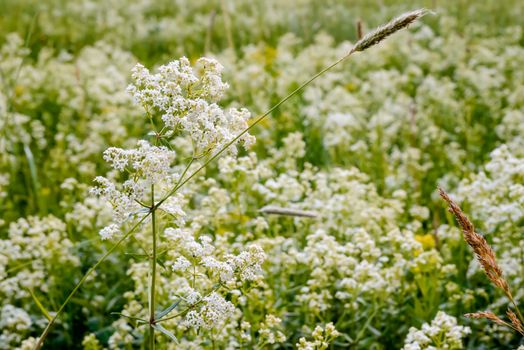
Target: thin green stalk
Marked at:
153, 274
371, 39
227, 26
366, 325
11, 91
257, 121
34, 176
44, 334
185, 170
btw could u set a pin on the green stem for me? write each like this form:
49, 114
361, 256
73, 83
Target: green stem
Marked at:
44, 334
517, 310
11, 89
366, 325
257, 121
153, 274
185, 170
227, 26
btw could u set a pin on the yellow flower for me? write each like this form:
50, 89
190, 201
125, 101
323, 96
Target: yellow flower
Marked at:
427, 240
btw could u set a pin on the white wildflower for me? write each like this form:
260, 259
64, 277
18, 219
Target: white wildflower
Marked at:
186, 99
110, 231
443, 332
181, 264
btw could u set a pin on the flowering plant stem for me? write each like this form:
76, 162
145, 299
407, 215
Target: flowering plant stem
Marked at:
154, 207
153, 273
517, 309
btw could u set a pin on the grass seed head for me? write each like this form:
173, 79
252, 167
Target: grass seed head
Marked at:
515, 321
487, 315
481, 248
382, 32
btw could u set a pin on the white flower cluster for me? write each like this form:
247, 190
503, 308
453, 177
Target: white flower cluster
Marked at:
204, 281
322, 337
246, 266
213, 313
442, 334
149, 162
186, 99
146, 165
35, 246
89, 89
270, 330
36, 256
496, 193
13, 322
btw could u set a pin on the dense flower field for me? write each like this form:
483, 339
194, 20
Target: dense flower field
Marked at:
137, 173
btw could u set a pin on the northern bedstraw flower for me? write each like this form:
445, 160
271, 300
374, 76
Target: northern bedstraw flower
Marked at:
146, 165
322, 338
35, 258
442, 333
271, 331
43, 242
13, 322
215, 311
206, 271
205, 281
145, 179
186, 99
199, 256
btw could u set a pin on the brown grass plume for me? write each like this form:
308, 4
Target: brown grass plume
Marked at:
486, 257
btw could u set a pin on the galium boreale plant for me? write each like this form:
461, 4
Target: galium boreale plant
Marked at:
442, 333
145, 186
487, 260
322, 338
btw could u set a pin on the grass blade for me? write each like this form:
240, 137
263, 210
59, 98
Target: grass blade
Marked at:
40, 306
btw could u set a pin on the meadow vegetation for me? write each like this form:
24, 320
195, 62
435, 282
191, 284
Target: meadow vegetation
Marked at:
257, 175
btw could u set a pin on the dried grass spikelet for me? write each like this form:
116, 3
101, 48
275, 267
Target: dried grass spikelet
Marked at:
517, 325
487, 260
270, 209
382, 32
515, 322
483, 251
487, 315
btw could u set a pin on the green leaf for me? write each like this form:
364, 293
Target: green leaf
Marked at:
168, 309
137, 255
138, 319
139, 211
165, 331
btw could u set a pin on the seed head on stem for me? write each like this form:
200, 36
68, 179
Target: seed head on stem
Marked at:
374, 37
